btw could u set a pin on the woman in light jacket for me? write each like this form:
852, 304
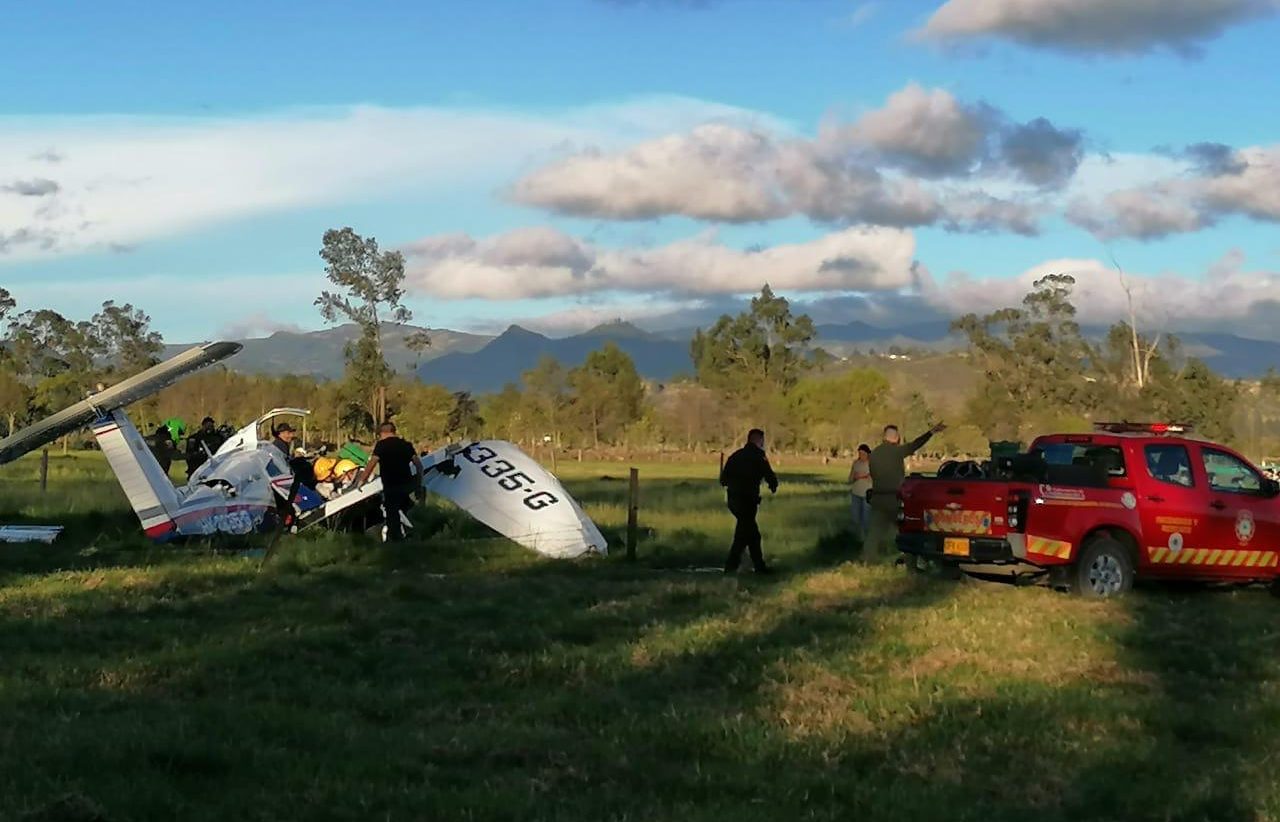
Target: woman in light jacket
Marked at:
860, 484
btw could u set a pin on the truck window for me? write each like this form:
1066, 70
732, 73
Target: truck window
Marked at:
1105, 457
1170, 463
1230, 475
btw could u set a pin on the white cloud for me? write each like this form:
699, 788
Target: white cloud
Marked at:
715, 172
1226, 296
34, 187
927, 130
1106, 26
863, 172
124, 180
258, 324
862, 14
542, 262
1146, 213
1215, 183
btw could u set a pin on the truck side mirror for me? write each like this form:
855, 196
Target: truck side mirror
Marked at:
1270, 488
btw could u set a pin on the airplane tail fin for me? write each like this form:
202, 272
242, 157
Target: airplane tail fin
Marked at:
145, 483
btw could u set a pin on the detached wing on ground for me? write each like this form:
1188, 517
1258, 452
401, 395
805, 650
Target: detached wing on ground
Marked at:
504, 488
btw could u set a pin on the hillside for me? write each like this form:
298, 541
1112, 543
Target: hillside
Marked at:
478, 362
517, 350
320, 353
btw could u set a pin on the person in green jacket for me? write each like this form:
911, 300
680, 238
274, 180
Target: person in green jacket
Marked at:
888, 470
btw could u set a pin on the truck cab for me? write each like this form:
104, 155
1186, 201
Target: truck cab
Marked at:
1093, 511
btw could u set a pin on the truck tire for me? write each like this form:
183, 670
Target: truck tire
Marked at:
1104, 570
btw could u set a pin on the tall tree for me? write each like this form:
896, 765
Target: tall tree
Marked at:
464, 418
547, 388
369, 289
125, 338
1029, 356
505, 414
57, 356
14, 395
839, 411
608, 392
760, 350
7, 304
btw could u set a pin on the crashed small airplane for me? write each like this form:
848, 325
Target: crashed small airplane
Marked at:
249, 486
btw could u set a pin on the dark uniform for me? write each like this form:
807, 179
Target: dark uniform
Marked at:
197, 456
395, 463
162, 448
743, 472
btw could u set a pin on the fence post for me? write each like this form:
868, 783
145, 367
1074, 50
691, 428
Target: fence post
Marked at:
44, 469
633, 514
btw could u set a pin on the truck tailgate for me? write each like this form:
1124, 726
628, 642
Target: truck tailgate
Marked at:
964, 507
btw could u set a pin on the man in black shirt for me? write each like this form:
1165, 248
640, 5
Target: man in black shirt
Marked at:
741, 476
396, 456
201, 444
161, 444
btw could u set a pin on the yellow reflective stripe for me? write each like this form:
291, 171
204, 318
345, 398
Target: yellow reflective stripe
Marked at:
1213, 556
1252, 558
1157, 554
1240, 558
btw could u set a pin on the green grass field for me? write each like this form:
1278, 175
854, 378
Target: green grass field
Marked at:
459, 677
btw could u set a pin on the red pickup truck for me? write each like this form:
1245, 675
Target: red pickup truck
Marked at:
1092, 511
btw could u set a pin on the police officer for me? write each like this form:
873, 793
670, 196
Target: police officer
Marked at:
398, 458
200, 445
161, 445
741, 476
888, 470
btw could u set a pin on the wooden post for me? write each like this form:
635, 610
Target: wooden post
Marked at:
721, 462
44, 469
633, 515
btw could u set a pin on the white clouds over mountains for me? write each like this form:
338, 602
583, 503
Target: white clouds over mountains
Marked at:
879, 170
544, 262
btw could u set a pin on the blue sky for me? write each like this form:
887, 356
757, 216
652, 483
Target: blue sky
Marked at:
201, 152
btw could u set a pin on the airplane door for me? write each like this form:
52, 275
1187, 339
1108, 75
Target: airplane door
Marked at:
1245, 523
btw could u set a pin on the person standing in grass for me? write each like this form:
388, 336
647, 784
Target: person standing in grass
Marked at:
741, 476
859, 485
888, 469
399, 482
162, 447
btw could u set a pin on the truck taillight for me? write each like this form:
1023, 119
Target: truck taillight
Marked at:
1016, 516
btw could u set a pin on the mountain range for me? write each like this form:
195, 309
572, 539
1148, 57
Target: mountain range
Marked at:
480, 363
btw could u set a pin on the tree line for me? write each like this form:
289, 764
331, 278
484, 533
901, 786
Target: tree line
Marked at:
1035, 370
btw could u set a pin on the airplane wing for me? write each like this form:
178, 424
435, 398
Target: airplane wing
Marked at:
117, 396
507, 490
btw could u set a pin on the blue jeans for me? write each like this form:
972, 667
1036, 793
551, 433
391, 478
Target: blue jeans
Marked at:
861, 515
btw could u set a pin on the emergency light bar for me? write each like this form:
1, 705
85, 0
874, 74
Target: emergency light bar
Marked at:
1143, 427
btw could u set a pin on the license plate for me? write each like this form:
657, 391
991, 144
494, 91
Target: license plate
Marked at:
955, 547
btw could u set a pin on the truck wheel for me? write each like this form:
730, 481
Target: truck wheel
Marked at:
1105, 569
